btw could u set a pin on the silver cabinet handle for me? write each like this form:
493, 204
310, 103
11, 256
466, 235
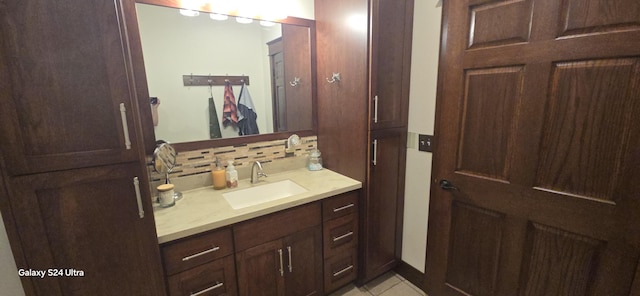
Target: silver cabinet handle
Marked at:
375, 152
201, 253
375, 109
218, 285
290, 263
335, 210
136, 185
350, 267
125, 126
348, 234
281, 266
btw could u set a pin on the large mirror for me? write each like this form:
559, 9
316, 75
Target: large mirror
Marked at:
188, 60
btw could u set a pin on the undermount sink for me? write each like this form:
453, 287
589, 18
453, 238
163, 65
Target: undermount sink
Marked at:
262, 193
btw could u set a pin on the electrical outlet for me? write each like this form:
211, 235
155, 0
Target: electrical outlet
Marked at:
425, 143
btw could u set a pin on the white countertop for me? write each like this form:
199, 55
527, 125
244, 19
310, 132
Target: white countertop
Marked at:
205, 209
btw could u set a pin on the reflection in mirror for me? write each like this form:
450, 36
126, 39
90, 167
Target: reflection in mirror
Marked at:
276, 59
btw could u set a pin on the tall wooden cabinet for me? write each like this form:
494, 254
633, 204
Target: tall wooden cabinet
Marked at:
362, 118
71, 151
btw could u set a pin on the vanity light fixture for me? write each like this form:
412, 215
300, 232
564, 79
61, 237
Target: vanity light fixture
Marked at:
189, 12
267, 23
218, 17
243, 20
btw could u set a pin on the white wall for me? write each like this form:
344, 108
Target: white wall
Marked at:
422, 102
9, 281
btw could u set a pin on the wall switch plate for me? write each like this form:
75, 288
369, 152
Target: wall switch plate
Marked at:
425, 143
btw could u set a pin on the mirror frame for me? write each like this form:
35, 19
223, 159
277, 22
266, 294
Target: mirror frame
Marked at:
143, 91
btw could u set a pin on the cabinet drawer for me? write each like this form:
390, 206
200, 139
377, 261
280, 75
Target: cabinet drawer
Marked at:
185, 254
338, 206
340, 270
213, 278
264, 229
340, 234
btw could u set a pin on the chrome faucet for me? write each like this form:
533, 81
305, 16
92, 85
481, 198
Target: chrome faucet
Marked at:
256, 173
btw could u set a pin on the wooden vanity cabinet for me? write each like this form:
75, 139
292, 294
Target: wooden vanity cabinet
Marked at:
201, 264
340, 240
280, 254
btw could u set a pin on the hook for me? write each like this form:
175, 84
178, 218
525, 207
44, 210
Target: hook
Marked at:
295, 82
335, 77
191, 79
209, 80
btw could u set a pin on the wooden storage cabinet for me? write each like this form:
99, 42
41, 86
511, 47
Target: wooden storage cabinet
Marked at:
374, 63
65, 78
391, 34
340, 240
201, 264
280, 254
384, 207
89, 220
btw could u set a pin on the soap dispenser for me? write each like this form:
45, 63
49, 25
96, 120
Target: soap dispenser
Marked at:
218, 175
232, 176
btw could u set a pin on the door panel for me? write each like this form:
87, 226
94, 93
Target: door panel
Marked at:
584, 162
78, 67
261, 270
544, 127
304, 256
474, 269
382, 222
88, 220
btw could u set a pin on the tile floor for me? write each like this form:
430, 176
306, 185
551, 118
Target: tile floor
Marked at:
388, 284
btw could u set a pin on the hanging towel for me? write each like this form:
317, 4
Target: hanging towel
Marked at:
214, 124
229, 112
246, 113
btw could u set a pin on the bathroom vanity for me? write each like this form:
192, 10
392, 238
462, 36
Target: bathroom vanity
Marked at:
278, 247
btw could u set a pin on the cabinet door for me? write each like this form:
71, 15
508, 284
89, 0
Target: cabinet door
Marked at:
84, 228
261, 270
391, 34
64, 75
342, 105
296, 42
303, 270
384, 204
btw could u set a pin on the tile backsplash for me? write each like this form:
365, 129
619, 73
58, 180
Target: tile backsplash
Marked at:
190, 163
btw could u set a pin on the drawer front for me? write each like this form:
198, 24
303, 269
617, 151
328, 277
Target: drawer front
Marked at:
271, 227
196, 250
340, 270
213, 278
340, 234
341, 205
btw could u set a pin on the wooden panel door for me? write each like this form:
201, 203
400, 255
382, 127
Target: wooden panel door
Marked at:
391, 36
341, 30
64, 75
83, 227
303, 270
539, 139
261, 270
383, 207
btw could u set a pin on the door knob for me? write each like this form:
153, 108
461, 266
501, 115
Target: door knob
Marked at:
446, 185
